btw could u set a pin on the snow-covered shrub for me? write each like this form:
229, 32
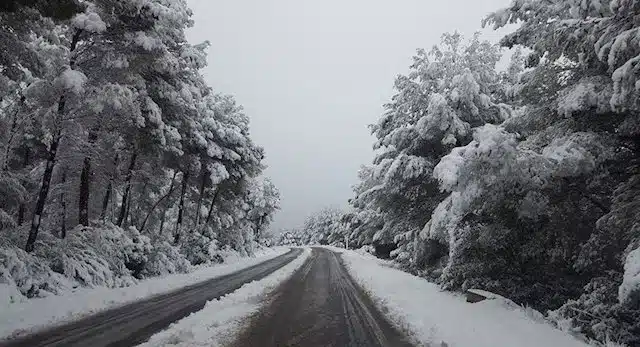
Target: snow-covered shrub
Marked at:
136, 251
93, 256
599, 315
165, 259
225, 253
195, 246
366, 249
105, 255
22, 274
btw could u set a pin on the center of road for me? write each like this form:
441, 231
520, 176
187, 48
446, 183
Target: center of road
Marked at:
320, 306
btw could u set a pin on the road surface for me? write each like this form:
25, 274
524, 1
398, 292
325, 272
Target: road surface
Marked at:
320, 306
134, 323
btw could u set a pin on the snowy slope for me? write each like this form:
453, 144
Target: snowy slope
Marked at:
17, 318
432, 316
220, 320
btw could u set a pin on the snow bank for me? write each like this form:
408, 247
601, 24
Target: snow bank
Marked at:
16, 318
432, 316
220, 320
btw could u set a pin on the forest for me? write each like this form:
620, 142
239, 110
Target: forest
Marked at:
519, 178
117, 161
512, 167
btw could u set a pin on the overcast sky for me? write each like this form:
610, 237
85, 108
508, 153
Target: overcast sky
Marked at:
313, 74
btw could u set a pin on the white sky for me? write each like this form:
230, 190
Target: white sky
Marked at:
313, 74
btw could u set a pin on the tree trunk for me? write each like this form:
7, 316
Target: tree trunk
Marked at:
257, 231
135, 217
177, 235
213, 202
144, 222
164, 211
127, 216
162, 218
199, 205
83, 200
105, 201
22, 209
85, 177
51, 159
44, 187
12, 133
127, 191
63, 205
107, 194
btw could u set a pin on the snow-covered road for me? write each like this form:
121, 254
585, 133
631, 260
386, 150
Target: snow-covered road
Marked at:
134, 323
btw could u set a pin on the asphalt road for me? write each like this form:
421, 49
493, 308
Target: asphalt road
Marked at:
134, 323
320, 306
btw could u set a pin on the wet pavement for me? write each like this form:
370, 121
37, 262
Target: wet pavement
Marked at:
320, 306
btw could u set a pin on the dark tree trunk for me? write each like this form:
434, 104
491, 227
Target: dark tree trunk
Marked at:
127, 216
85, 178
109, 191
162, 218
185, 178
22, 209
83, 201
144, 222
257, 231
36, 219
212, 204
44, 187
127, 191
199, 205
63, 205
105, 201
135, 217
12, 133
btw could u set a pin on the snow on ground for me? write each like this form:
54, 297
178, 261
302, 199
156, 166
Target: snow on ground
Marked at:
432, 316
18, 318
221, 320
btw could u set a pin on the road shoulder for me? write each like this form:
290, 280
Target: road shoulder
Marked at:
435, 317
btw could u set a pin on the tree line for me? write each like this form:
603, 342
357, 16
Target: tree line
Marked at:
106, 123
522, 180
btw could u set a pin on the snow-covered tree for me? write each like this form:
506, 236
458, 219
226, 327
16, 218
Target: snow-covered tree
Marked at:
449, 91
325, 227
106, 122
586, 57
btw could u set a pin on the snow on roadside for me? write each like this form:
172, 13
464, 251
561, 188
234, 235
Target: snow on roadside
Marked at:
19, 318
433, 316
220, 320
